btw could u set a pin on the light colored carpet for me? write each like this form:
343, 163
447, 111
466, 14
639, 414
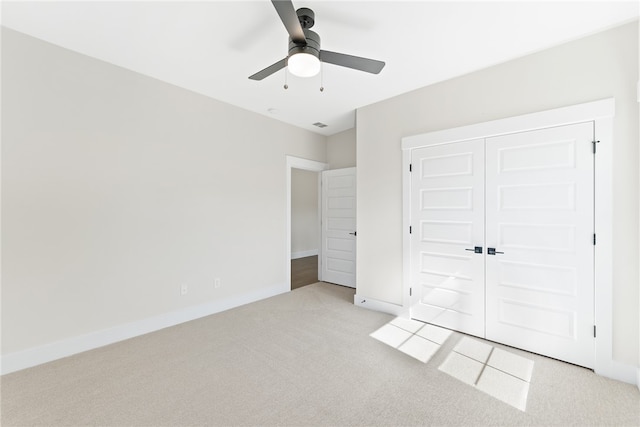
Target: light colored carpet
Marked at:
300, 358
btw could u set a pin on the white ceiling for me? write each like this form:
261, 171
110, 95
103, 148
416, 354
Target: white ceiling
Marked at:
211, 47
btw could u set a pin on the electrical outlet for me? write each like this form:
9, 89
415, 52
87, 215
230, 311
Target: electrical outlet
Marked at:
184, 289
216, 283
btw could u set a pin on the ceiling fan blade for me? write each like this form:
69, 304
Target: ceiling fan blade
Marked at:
269, 70
357, 63
290, 20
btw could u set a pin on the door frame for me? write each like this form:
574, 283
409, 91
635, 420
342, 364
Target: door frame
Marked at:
308, 165
601, 113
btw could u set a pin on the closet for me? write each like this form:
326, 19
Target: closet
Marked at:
501, 242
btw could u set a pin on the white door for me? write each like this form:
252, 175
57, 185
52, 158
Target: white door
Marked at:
338, 259
447, 217
539, 220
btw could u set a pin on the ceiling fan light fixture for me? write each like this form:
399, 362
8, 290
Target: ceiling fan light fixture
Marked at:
305, 56
303, 64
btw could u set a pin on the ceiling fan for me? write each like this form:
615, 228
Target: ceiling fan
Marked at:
305, 54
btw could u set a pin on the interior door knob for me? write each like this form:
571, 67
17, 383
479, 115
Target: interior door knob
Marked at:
492, 251
476, 249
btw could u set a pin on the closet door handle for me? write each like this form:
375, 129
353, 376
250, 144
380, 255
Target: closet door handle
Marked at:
354, 233
492, 251
476, 249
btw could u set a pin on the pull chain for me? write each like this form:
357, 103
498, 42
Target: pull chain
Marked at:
321, 77
286, 73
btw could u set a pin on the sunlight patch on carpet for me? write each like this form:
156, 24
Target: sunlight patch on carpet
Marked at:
499, 373
416, 339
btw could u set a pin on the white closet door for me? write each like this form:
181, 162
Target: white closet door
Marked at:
447, 215
539, 219
338, 259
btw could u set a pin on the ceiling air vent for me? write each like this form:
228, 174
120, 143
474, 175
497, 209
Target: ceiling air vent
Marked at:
320, 125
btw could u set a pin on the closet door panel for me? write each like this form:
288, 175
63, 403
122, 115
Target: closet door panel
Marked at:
539, 220
447, 214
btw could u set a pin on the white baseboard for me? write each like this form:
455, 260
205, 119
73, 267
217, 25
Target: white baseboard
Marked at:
377, 305
619, 371
304, 254
46, 353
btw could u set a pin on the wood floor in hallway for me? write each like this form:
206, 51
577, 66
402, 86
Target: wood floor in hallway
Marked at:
304, 271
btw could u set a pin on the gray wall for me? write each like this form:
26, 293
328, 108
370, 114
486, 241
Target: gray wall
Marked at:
341, 149
117, 188
600, 66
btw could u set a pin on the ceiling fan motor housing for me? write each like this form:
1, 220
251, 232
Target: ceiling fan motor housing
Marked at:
312, 46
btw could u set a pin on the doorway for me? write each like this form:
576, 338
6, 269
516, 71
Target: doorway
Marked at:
294, 167
336, 206
305, 227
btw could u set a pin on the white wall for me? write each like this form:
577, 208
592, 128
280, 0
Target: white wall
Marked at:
117, 188
305, 223
601, 66
341, 149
